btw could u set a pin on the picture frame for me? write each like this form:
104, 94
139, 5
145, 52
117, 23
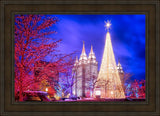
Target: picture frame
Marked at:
149, 8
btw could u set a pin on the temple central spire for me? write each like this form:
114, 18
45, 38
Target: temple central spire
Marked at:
91, 54
83, 54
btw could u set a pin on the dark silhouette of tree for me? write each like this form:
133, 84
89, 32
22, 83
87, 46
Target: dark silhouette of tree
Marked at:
67, 79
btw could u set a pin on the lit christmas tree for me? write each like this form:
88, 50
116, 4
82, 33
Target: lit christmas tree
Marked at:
108, 82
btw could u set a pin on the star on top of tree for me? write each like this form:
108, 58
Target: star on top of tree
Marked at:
107, 25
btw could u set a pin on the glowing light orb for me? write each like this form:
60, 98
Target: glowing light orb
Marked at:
111, 92
107, 24
98, 92
46, 89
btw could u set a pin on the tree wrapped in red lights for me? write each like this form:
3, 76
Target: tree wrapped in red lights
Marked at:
137, 89
33, 43
142, 89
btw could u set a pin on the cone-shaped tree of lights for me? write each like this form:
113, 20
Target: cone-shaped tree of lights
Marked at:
108, 82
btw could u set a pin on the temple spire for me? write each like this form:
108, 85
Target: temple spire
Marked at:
91, 49
83, 50
76, 62
76, 59
91, 54
83, 54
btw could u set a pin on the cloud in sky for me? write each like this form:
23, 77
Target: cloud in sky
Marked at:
127, 36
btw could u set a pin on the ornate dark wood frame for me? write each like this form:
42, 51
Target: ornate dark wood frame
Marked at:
148, 7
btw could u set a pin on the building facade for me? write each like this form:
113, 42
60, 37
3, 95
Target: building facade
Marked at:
85, 73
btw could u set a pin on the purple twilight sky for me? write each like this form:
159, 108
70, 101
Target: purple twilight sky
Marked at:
127, 36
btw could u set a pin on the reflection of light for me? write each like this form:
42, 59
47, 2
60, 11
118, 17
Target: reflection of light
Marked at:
111, 92
98, 92
46, 89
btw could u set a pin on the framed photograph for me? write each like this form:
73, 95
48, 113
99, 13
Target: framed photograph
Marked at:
76, 58
50, 66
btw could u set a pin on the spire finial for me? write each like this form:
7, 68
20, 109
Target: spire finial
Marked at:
83, 50
91, 49
91, 54
83, 54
